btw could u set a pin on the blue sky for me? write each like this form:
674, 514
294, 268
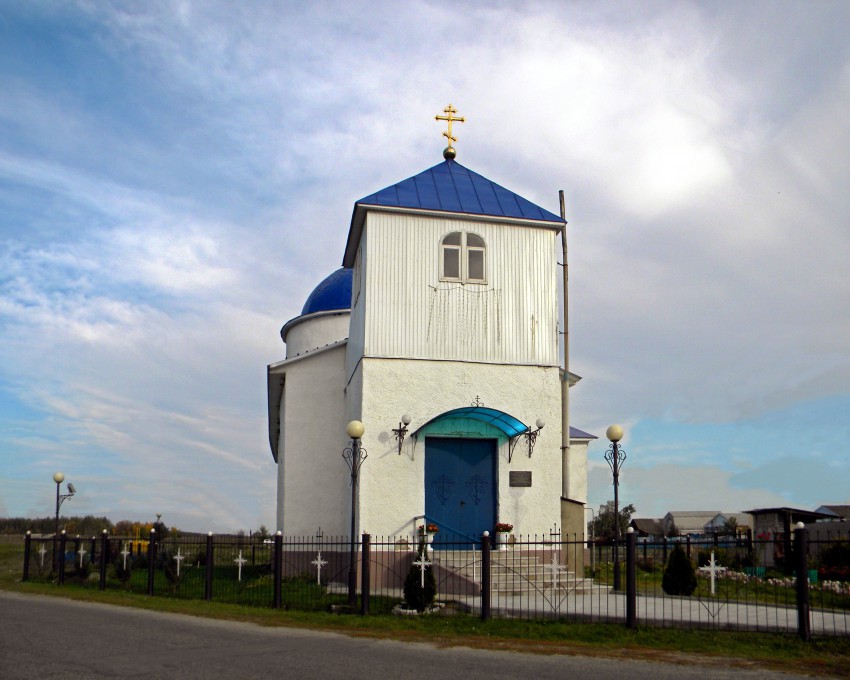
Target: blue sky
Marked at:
176, 177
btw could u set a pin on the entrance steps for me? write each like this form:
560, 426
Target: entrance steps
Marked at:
514, 572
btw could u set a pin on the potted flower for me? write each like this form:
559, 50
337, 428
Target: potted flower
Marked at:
503, 529
426, 533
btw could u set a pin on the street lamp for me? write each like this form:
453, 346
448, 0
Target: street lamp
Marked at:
615, 456
59, 477
353, 455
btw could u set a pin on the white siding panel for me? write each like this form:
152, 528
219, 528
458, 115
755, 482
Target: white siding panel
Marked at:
358, 312
409, 312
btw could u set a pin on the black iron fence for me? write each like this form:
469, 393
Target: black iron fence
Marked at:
725, 583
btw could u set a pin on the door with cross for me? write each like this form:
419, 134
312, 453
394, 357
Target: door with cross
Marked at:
460, 488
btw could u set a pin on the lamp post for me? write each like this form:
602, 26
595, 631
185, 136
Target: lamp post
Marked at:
615, 456
59, 477
354, 455
592, 538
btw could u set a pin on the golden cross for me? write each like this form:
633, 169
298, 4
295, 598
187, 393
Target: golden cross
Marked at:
450, 118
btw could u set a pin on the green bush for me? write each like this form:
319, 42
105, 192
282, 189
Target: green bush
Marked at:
679, 576
415, 596
836, 555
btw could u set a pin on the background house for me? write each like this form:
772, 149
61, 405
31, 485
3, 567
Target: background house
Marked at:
687, 522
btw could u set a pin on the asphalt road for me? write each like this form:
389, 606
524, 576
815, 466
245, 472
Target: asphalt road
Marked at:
45, 638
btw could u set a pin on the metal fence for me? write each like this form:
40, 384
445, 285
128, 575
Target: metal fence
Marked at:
737, 584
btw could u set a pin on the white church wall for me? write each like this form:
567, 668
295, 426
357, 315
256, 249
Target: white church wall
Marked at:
315, 330
313, 478
392, 486
411, 313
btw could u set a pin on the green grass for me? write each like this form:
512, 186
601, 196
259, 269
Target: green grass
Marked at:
828, 656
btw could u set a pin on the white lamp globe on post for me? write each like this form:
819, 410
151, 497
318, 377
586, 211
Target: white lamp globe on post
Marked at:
615, 457
354, 455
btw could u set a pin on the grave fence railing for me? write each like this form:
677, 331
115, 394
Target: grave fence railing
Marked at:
766, 583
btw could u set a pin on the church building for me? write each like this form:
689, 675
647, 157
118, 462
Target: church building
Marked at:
440, 334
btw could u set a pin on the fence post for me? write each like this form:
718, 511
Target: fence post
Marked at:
664, 552
104, 555
151, 561
365, 555
208, 568
801, 553
631, 578
27, 545
63, 537
278, 568
688, 539
485, 576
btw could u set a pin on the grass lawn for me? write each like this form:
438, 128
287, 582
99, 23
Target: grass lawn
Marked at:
827, 656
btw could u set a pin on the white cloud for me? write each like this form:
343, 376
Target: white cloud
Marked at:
165, 232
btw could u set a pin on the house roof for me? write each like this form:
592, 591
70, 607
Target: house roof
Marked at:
653, 527
448, 187
575, 433
690, 520
795, 514
842, 511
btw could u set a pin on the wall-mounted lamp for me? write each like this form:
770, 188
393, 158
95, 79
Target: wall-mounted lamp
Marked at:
530, 436
401, 431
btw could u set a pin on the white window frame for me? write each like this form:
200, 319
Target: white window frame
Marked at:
464, 250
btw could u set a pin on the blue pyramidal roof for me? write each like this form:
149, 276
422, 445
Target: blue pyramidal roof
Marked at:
450, 187
447, 187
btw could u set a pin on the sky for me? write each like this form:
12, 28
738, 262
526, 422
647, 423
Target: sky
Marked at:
176, 177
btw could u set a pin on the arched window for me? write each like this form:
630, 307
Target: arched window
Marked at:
463, 258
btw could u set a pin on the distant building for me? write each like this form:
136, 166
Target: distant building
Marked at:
650, 529
838, 513
743, 522
688, 522
777, 525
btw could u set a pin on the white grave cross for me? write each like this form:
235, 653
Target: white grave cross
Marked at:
555, 567
42, 552
82, 554
125, 553
239, 561
319, 562
712, 569
178, 558
422, 563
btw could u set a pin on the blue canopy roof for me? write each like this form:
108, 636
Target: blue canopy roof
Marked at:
505, 422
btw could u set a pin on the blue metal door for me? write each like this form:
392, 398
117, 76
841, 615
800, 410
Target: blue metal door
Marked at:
460, 487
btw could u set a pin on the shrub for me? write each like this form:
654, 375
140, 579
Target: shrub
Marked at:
679, 577
415, 595
836, 555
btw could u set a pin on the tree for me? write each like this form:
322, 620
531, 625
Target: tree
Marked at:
729, 528
603, 524
418, 593
679, 575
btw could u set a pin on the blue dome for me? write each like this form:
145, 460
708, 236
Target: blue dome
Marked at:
331, 294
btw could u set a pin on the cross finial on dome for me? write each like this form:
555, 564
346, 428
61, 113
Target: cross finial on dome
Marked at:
449, 152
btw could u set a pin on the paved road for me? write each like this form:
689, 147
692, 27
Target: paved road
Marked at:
47, 638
